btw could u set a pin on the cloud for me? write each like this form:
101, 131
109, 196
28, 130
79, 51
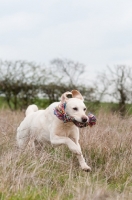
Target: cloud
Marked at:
18, 22
93, 32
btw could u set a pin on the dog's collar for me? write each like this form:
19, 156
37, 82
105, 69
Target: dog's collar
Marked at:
59, 111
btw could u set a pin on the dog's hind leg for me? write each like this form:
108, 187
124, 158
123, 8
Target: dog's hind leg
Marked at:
23, 138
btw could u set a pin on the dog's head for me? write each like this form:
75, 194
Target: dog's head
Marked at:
75, 106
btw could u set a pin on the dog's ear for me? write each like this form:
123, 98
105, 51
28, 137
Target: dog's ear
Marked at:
77, 94
66, 96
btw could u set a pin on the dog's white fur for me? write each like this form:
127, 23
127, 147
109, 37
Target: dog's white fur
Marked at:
43, 126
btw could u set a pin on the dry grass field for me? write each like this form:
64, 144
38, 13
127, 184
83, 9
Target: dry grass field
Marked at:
54, 174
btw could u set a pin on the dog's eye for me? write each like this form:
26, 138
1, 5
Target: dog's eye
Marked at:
75, 108
84, 109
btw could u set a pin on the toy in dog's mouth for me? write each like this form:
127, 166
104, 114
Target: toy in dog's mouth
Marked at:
91, 121
59, 111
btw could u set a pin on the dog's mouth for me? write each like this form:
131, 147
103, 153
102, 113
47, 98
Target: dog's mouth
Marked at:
90, 122
80, 124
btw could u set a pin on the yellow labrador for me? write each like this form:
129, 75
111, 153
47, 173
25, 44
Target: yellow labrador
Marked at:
57, 124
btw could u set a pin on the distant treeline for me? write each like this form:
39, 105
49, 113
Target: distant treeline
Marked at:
22, 83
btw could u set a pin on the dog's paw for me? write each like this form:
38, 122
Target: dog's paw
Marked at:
86, 168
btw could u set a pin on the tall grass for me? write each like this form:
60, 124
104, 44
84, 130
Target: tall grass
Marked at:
54, 174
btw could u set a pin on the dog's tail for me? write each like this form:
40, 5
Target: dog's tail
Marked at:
32, 108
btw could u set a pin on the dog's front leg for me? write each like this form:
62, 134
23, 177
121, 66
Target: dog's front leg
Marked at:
58, 140
82, 162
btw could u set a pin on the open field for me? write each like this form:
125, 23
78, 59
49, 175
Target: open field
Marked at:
54, 174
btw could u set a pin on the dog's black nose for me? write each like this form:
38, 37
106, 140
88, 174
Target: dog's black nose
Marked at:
84, 119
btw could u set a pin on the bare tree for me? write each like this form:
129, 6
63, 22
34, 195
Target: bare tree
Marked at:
68, 74
116, 84
69, 71
19, 82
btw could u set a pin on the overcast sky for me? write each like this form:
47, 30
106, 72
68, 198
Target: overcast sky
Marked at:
96, 33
